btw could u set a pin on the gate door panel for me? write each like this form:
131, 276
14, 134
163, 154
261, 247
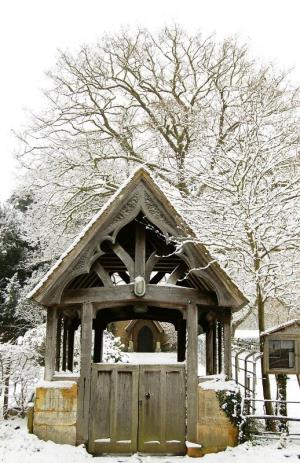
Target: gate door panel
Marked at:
114, 408
162, 409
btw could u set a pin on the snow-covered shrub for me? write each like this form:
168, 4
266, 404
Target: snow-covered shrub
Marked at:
112, 349
19, 371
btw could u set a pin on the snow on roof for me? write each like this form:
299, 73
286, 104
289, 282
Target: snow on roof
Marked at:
280, 327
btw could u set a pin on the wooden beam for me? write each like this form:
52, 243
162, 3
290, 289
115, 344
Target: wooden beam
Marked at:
192, 372
170, 296
98, 342
65, 344
85, 373
125, 258
152, 260
50, 351
175, 275
140, 250
102, 274
227, 345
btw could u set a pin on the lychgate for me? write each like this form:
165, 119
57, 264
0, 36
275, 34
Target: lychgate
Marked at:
137, 260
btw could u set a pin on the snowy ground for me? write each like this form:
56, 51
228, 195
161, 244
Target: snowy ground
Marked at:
17, 446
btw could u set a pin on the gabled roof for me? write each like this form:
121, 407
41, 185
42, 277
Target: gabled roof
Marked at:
276, 329
116, 202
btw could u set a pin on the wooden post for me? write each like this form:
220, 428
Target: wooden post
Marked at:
65, 344
71, 334
220, 363
140, 250
58, 341
227, 345
209, 347
214, 348
85, 373
192, 372
50, 351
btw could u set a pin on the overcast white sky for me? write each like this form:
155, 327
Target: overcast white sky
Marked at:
32, 30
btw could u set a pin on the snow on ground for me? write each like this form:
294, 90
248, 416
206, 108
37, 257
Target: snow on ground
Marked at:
18, 446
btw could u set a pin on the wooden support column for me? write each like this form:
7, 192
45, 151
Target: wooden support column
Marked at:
65, 344
192, 372
58, 341
50, 351
220, 347
227, 345
71, 334
85, 373
209, 348
214, 330
140, 250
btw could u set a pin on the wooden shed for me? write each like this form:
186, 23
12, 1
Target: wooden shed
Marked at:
282, 348
127, 265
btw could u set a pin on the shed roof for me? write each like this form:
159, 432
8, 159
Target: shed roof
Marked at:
120, 199
276, 329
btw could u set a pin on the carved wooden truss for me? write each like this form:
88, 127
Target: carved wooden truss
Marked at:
135, 243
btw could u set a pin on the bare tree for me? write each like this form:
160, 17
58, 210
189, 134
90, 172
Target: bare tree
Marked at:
218, 130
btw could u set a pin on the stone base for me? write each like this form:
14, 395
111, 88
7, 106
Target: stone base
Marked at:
215, 431
55, 411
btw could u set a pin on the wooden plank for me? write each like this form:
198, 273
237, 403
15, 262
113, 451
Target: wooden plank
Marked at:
165, 296
103, 274
125, 258
192, 372
227, 345
140, 250
85, 373
176, 275
162, 409
114, 401
65, 342
50, 348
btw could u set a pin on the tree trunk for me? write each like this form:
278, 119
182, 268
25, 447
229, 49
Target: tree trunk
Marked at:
281, 381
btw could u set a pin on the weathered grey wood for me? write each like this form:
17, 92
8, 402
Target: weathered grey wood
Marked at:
140, 250
220, 343
58, 341
162, 414
192, 372
227, 345
71, 334
102, 274
113, 424
214, 349
209, 351
50, 351
125, 258
165, 296
85, 373
65, 344
152, 260
175, 275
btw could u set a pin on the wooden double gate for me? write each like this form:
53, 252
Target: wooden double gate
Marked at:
137, 408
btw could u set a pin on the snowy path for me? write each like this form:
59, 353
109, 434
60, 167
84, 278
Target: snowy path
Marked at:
17, 446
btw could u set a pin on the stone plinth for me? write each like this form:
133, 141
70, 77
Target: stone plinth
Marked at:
55, 411
215, 431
